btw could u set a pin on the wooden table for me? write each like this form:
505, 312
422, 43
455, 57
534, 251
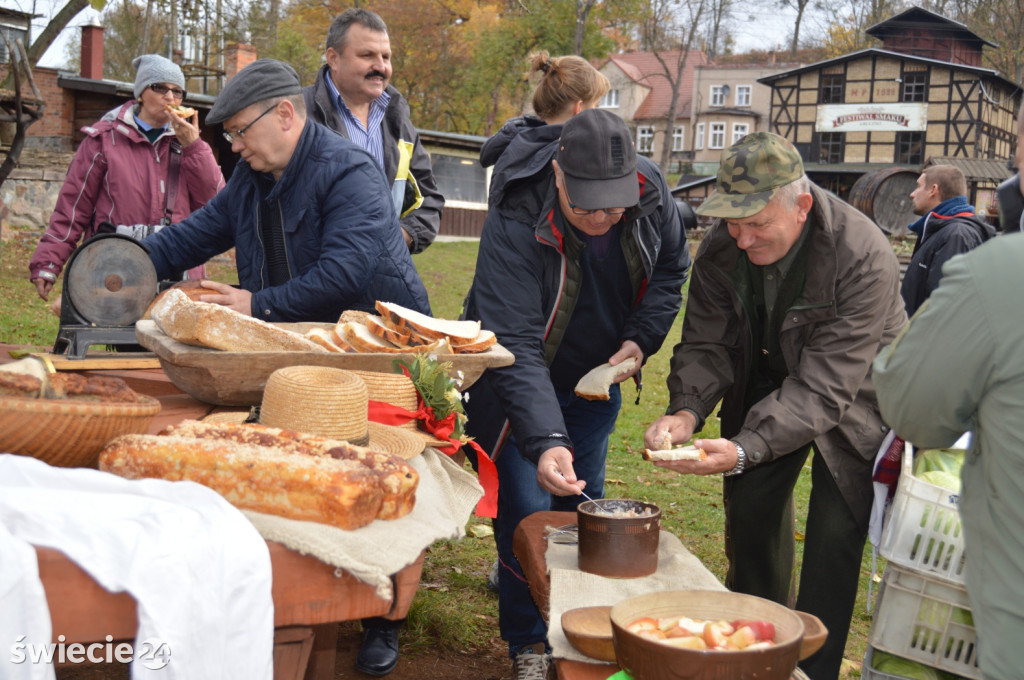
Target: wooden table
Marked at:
309, 599
529, 547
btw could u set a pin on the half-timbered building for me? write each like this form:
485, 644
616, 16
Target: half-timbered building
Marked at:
879, 114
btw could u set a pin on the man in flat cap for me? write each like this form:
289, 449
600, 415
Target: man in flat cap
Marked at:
312, 224
794, 292
581, 263
353, 95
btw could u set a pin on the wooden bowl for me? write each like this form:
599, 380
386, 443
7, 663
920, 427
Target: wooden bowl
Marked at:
68, 432
648, 659
589, 630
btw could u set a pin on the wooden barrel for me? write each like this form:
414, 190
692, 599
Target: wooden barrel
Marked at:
884, 196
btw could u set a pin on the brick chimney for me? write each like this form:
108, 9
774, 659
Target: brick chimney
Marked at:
236, 57
92, 50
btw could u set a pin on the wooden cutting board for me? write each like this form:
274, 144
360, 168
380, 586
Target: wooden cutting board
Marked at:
104, 361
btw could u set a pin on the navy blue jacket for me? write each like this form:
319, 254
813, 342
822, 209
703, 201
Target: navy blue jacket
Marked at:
527, 280
344, 246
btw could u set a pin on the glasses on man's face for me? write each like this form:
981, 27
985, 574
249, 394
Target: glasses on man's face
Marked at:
161, 90
240, 134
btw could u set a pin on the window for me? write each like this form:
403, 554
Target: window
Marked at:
678, 138
743, 95
459, 179
832, 147
832, 89
739, 131
915, 86
717, 140
644, 138
718, 93
610, 100
12, 33
910, 148
698, 143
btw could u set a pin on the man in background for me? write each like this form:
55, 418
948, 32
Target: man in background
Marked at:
352, 96
948, 227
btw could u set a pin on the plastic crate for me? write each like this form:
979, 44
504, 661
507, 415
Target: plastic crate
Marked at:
925, 620
922, 530
868, 671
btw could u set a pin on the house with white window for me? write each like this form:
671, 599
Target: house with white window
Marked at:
727, 104
641, 95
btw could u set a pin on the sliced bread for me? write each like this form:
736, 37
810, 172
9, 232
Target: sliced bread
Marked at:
324, 338
377, 326
595, 384
480, 344
399, 317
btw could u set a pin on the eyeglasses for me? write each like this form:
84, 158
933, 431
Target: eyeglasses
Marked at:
161, 90
240, 134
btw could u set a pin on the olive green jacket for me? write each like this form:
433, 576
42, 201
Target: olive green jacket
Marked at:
849, 309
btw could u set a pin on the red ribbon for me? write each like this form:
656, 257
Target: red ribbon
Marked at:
389, 414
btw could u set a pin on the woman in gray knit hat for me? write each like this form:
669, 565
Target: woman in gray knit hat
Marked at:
140, 165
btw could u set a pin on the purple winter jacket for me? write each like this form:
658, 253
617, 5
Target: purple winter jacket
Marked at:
118, 176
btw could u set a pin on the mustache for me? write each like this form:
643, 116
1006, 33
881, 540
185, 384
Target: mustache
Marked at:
376, 74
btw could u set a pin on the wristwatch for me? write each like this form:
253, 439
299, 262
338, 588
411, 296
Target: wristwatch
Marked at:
741, 462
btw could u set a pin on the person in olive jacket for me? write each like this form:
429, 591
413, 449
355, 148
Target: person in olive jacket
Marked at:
793, 294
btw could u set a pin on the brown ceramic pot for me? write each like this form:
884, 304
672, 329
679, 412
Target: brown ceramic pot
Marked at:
616, 545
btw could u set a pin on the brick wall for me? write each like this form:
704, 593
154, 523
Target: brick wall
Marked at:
59, 104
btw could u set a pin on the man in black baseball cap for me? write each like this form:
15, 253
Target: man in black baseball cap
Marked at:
581, 263
309, 213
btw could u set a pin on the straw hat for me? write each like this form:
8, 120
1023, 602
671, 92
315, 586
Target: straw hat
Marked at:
397, 389
333, 403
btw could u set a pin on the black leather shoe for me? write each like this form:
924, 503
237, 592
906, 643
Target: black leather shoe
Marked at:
378, 654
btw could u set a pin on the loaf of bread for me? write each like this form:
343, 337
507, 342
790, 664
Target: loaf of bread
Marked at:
209, 325
193, 288
340, 493
401, 318
396, 478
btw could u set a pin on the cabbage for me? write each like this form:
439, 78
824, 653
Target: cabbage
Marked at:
946, 480
945, 460
904, 668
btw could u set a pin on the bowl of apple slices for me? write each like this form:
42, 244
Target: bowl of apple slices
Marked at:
711, 635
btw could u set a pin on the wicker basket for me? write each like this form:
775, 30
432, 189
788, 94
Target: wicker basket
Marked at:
69, 433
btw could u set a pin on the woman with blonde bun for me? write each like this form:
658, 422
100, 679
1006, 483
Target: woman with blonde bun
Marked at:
566, 86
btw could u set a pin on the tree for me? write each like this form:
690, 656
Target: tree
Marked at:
801, 7
20, 111
671, 26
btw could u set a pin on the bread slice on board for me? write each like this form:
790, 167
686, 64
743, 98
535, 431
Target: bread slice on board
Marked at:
324, 338
376, 326
401, 318
482, 342
595, 384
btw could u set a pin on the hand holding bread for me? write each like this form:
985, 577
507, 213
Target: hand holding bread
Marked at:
184, 123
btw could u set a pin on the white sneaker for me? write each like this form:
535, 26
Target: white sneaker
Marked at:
529, 665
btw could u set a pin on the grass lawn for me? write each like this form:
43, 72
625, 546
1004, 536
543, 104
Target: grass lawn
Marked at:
453, 608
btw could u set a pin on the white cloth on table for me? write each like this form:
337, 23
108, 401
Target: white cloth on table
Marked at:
678, 569
24, 617
198, 570
445, 499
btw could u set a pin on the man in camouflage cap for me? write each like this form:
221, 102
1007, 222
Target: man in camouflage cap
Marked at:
792, 295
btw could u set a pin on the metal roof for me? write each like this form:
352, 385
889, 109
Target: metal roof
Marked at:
974, 169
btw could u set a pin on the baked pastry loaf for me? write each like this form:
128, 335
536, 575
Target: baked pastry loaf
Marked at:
71, 386
209, 325
396, 478
322, 489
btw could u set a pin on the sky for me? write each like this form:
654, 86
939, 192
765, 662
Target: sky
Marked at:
752, 27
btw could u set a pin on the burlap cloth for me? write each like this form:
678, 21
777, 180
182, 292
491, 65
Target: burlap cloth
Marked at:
445, 498
678, 569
